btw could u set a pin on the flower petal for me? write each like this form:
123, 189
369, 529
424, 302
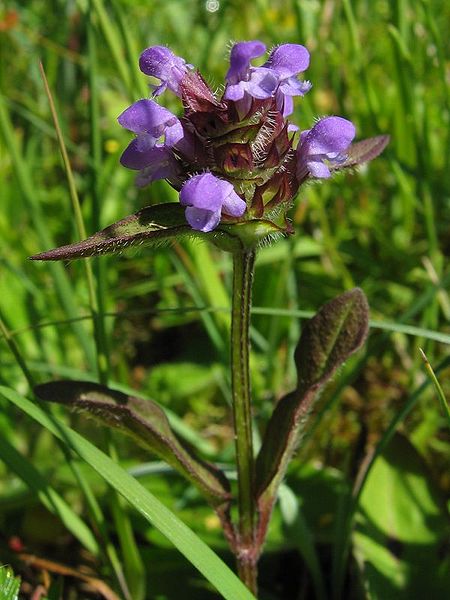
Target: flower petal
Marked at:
332, 134
201, 219
285, 103
174, 134
293, 87
235, 91
145, 141
233, 205
147, 116
261, 84
317, 168
240, 57
133, 158
288, 60
205, 191
166, 168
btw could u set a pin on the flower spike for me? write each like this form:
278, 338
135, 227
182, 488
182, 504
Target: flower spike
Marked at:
236, 158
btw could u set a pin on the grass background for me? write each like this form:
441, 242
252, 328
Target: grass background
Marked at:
384, 65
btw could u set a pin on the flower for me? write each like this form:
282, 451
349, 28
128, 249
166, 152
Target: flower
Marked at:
157, 163
277, 76
287, 61
327, 140
258, 82
236, 157
162, 63
206, 198
150, 122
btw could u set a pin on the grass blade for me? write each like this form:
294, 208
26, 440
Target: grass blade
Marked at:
101, 355
439, 391
60, 278
9, 585
47, 494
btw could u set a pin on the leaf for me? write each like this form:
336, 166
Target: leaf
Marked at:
152, 225
183, 538
328, 339
363, 151
402, 528
158, 225
144, 421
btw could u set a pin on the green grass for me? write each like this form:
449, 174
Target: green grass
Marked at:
159, 314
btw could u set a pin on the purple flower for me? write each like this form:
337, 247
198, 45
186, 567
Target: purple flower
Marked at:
327, 140
150, 122
159, 163
206, 197
244, 138
156, 163
287, 61
242, 78
162, 63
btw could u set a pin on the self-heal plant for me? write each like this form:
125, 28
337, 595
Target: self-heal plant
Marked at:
238, 164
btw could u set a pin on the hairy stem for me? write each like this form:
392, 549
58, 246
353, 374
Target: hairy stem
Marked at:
243, 268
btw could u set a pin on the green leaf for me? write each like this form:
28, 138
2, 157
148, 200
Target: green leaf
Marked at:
157, 225
402, 528
9, 585
145, 422
328, 339
189, 544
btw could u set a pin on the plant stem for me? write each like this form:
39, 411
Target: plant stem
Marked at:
243, 268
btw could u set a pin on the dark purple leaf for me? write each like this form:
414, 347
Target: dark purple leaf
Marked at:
145, 422
363, 151
328, 339
152, 225
157, 225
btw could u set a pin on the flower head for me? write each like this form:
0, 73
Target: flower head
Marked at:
235, 158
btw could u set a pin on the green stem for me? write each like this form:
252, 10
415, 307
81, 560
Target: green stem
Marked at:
243, 268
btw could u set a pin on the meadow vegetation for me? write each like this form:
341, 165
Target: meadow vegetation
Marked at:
363, 511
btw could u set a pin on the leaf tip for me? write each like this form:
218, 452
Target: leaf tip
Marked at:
338, 330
